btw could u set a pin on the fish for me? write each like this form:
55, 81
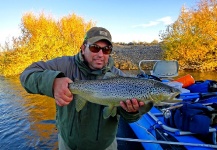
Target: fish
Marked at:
111, 91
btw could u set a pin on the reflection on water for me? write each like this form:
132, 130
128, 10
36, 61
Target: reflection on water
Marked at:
24, 121
27, 120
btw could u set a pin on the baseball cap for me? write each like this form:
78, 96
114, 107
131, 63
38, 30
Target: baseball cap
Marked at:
98, 33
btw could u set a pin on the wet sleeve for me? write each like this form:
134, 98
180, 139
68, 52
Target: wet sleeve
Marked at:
38, 78
40, 82
128, 117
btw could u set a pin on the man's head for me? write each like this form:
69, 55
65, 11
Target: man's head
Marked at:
96, 47
96, 34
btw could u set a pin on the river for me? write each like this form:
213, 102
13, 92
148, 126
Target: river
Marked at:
27, 120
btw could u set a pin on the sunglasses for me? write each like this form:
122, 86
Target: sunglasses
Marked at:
95, 49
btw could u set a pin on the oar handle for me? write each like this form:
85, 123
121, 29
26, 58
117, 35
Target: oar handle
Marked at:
189, 96
203, 95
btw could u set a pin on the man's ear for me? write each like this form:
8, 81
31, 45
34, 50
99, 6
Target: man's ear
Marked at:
82, 49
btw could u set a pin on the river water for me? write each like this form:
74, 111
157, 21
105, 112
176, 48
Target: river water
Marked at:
27, 120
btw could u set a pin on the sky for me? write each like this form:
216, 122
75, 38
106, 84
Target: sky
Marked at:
127, 20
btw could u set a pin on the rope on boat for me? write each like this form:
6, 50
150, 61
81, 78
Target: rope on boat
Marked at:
167, 142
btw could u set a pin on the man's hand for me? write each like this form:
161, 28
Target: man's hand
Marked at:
62, 94
131, 105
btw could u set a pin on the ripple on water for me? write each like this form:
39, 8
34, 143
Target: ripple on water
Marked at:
20, 126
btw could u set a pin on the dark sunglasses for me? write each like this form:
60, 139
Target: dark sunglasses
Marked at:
95, 49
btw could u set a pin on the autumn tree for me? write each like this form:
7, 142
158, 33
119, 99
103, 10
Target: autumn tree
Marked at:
192, 38
43, 38
154, 42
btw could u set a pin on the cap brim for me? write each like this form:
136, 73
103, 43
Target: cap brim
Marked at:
98, 38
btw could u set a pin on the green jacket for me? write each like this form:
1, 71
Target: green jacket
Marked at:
82, 130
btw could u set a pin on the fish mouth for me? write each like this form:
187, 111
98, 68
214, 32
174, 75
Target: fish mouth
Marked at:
167, 100
173, 96
172, 100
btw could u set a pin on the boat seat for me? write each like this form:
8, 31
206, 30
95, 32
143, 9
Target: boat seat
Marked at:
162, 68
165, 69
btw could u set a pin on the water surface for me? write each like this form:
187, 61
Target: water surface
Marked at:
27, 120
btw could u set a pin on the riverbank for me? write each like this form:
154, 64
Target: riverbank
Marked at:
127, 57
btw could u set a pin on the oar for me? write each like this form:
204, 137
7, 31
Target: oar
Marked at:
167, 142
188, 96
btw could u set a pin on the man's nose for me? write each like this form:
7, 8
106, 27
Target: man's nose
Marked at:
100, 53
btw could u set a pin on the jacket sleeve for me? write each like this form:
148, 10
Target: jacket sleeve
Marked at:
38, 78
129, 117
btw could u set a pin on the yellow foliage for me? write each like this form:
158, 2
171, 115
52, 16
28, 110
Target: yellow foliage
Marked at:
43, 38
192, 39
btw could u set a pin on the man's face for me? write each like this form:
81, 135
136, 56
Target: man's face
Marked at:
96, 60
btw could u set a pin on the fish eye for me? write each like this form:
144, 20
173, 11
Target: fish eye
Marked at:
171, 90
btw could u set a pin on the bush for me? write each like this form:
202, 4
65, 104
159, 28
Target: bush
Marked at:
43, 38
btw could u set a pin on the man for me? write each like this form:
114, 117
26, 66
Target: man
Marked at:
86, 129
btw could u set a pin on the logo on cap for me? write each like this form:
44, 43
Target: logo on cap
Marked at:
103, 33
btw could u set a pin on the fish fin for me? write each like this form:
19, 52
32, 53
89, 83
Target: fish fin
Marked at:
114, 111
146, 108
109, 111
80, 103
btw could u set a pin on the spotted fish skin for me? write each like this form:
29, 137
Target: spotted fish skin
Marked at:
111, 91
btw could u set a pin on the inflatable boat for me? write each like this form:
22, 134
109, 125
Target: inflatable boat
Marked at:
189, 124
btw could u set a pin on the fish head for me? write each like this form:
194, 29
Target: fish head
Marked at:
158, 94
164, 93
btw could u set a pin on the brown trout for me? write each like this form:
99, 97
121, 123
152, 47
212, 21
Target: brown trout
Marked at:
110, 92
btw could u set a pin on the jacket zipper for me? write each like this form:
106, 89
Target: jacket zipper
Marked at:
99, 121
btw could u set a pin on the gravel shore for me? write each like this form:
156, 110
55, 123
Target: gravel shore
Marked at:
128, 57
